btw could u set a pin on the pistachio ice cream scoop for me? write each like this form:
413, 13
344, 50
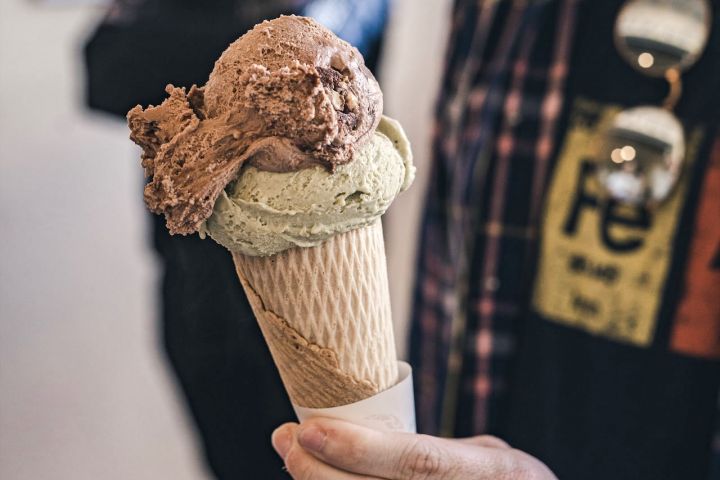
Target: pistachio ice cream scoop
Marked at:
264, 213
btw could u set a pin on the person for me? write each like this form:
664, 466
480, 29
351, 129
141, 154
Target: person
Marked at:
211, 338
581, 328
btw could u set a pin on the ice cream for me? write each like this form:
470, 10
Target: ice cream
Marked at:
264, 213
284, 158
286, 95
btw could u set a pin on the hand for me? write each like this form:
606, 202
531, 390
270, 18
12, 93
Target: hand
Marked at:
328, 449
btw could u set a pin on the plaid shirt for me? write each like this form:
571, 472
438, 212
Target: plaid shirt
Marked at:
497, 118
496, 122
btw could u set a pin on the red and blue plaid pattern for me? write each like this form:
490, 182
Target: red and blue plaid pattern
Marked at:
496, 119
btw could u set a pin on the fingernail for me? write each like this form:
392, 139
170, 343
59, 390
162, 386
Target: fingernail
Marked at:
312, 438
282, 441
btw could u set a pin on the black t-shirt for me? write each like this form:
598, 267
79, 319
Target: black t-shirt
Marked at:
618, 372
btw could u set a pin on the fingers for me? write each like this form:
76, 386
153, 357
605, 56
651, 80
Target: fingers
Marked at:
282, 438
363, 451
323, 448
487, 441
300, 464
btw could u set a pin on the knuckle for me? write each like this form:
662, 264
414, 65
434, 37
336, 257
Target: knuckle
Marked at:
493, 441
523, 473
421, 459
520, 466
349, 450
298, 465
354, 452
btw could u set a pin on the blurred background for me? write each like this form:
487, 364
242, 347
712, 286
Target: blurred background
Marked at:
85, 388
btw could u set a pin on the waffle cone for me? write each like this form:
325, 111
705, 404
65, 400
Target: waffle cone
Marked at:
325, 314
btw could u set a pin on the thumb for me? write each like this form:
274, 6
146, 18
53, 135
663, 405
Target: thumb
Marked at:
391, 455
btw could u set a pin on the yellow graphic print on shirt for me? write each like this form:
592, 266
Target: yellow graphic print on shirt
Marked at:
603, 265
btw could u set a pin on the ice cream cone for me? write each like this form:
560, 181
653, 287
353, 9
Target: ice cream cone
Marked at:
284, 158
325, 314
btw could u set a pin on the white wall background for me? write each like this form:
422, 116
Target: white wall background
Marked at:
84, 391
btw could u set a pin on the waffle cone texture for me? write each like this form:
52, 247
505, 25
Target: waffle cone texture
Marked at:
325, 314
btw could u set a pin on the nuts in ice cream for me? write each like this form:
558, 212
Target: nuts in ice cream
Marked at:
285, 96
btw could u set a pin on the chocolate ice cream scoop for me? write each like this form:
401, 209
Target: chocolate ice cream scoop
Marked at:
286, 95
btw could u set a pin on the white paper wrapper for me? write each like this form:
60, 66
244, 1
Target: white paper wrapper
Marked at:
391, 410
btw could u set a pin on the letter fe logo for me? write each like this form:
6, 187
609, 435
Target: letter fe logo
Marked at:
603, 265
